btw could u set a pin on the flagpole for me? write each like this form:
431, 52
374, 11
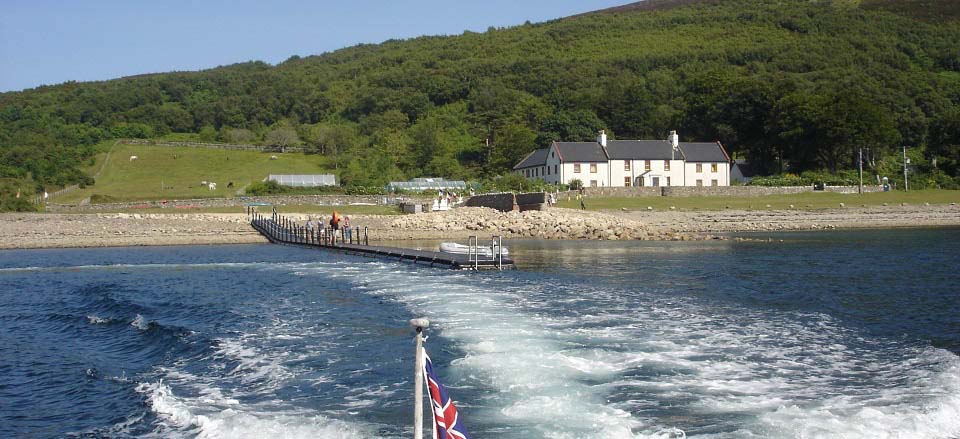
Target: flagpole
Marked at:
419, 325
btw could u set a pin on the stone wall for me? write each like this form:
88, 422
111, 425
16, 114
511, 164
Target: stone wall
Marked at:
504, 202
532, 201
732, 191
755, 191
622, 192
319, 200
853, 189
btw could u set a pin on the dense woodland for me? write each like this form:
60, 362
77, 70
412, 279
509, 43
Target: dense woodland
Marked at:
793, 86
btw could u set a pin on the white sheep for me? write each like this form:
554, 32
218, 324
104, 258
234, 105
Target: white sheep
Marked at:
133, 157
212, 186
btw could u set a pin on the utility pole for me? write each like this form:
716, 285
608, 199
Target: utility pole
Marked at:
860, 169
906, 184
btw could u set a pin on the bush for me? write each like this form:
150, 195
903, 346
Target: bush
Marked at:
808, 178
513, 182
102, 199
778, 180
270, 187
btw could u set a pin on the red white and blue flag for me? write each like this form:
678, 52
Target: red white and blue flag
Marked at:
446, 419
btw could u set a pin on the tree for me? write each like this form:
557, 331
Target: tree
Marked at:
282, 137
511, 144
236, 135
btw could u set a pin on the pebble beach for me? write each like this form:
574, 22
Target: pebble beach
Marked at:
39, 230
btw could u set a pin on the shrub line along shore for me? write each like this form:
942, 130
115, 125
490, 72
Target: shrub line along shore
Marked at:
22, 231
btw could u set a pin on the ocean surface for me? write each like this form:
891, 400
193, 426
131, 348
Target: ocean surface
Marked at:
808, 335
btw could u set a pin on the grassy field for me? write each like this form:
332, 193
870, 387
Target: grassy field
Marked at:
314, 209
175, 173
809, 200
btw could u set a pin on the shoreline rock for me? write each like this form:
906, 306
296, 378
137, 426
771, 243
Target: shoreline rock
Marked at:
48, 230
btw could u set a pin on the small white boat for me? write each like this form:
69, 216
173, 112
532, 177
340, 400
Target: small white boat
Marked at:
460, 249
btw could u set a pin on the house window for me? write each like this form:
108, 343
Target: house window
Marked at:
626, 166
713, 168
699, 182
714, 182
576, 168
668, 180
593, 183
646, 165
548, 170
626, 181
593, 168
666, 166
656, 181
699, 167
555, 169
526, 173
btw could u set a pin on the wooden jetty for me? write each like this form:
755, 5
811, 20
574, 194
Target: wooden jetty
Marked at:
282, 230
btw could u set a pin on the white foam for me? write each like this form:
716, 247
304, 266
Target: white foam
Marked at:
542, 373
928, 407
767, 374
95, 320
210, 419
139, 323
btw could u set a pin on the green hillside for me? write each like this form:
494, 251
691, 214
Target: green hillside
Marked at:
162, 172
793, 85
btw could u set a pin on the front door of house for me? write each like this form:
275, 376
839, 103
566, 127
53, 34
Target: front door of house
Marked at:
638, 182
656, 181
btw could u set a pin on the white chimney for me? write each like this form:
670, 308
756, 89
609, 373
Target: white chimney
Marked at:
674, 140
602, 138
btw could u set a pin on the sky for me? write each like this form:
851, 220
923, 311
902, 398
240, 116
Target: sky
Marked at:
45, 42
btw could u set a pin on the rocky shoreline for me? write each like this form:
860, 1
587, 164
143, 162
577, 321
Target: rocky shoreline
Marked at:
20, 231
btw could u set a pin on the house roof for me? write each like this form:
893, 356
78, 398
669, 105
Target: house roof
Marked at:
580, 152
535, 158
641, 150
704, 152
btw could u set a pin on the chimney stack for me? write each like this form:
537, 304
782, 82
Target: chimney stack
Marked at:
602, 138
674, 140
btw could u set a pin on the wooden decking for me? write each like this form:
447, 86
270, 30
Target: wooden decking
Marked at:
280, 230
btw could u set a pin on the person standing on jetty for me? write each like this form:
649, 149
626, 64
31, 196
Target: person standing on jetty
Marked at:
335, 221
346, 229
334, 226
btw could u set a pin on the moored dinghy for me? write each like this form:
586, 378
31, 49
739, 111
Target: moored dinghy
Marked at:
487, 251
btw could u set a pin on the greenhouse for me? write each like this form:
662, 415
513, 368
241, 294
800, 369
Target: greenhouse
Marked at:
426, 184
304, 180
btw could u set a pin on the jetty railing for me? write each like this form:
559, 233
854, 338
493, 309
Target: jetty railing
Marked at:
281, 229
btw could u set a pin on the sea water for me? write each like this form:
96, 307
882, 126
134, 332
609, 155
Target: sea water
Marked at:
828, 334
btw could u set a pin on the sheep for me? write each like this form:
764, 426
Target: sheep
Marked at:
133, 157
212, 186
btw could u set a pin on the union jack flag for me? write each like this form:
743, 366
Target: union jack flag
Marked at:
446, 419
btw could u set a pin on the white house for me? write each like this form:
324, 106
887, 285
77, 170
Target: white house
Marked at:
629, 163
